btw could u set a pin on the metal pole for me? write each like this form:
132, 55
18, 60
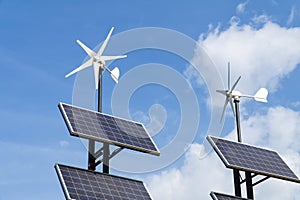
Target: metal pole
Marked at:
249, 185
237, 183
237, 118
236, 173
91, 157
106, 158
106, 152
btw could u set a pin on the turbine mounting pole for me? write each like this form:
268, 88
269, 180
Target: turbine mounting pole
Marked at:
105, 167
237, 118
91, 154
236, 174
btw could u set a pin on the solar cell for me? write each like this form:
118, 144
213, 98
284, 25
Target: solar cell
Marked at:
108, 129
219, 196
252, 159
81, 184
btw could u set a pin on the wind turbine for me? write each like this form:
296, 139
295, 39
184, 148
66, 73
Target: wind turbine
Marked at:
98, 61
231, 94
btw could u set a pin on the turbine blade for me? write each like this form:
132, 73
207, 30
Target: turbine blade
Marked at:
101, 50
235, 83
90, 52
105, 58
228, 76
224, 109
222, 91
81, 67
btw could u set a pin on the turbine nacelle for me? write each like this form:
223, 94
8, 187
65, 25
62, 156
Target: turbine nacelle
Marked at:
236, 94
97, 60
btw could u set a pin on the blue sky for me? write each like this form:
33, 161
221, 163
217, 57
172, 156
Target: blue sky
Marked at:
38, 49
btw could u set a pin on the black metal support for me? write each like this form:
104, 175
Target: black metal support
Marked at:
237, 184
261, 180
248, 176
236, 173
252, 176
91, 157
98, 153
249, 185
115, 152
106, 153
237, 118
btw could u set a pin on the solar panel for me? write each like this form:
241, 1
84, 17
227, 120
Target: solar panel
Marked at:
252, 159
108, 129
81, 184
219, 196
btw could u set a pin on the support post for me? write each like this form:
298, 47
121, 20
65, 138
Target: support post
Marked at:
237, 183
237, 118
92, 143
249, 185
91, 157
106, 152
106, 158
236, 173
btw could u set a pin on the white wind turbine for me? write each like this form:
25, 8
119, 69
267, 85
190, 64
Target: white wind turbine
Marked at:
98, 61
231, 94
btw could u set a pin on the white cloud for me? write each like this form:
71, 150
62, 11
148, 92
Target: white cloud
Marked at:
193, 181
261, 19
278, 130
241, 7
291, 16
262, 56
295, 104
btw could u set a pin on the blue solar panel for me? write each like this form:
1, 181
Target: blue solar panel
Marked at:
219, 196
81, 184
252, 159
108, 129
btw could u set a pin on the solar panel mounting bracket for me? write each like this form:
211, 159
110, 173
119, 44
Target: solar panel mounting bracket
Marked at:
257, 182
115, 152
98, 153
261, 180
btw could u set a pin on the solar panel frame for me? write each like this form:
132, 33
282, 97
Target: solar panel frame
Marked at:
114, 186
107, 140
246, 169
220, 196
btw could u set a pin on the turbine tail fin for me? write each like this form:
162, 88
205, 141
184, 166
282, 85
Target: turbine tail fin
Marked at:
261, 95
